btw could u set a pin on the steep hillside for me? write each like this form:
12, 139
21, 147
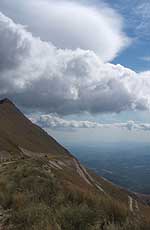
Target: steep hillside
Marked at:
43, 187
17, 131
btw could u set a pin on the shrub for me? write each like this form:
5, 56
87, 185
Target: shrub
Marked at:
76, 217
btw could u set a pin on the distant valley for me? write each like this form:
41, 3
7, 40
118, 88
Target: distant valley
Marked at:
127, 165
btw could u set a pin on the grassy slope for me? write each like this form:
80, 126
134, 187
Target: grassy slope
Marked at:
35, 196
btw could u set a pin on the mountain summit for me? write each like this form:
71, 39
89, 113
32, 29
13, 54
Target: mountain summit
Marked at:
17, 132
43, 187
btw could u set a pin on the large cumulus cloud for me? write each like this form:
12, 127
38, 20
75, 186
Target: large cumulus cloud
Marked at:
37, 75
70, 24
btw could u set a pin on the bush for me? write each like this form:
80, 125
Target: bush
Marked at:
32, 217
76, 217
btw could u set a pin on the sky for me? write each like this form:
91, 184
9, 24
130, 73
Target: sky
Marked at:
80, 69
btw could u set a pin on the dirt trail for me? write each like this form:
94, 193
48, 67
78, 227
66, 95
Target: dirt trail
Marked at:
81, 172
55, 165
86, 176
130, 203
136, 206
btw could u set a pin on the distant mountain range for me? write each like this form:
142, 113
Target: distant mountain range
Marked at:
44, 187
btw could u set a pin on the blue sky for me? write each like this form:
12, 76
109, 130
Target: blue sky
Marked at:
84, 77
137, 25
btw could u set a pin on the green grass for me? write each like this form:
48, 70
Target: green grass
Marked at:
38, 200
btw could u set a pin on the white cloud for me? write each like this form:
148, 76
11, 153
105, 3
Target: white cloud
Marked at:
55, 122
71, 25
146, 58
37, 75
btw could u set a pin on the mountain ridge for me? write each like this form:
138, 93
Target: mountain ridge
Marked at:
11, 119
5, 100
32, 162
